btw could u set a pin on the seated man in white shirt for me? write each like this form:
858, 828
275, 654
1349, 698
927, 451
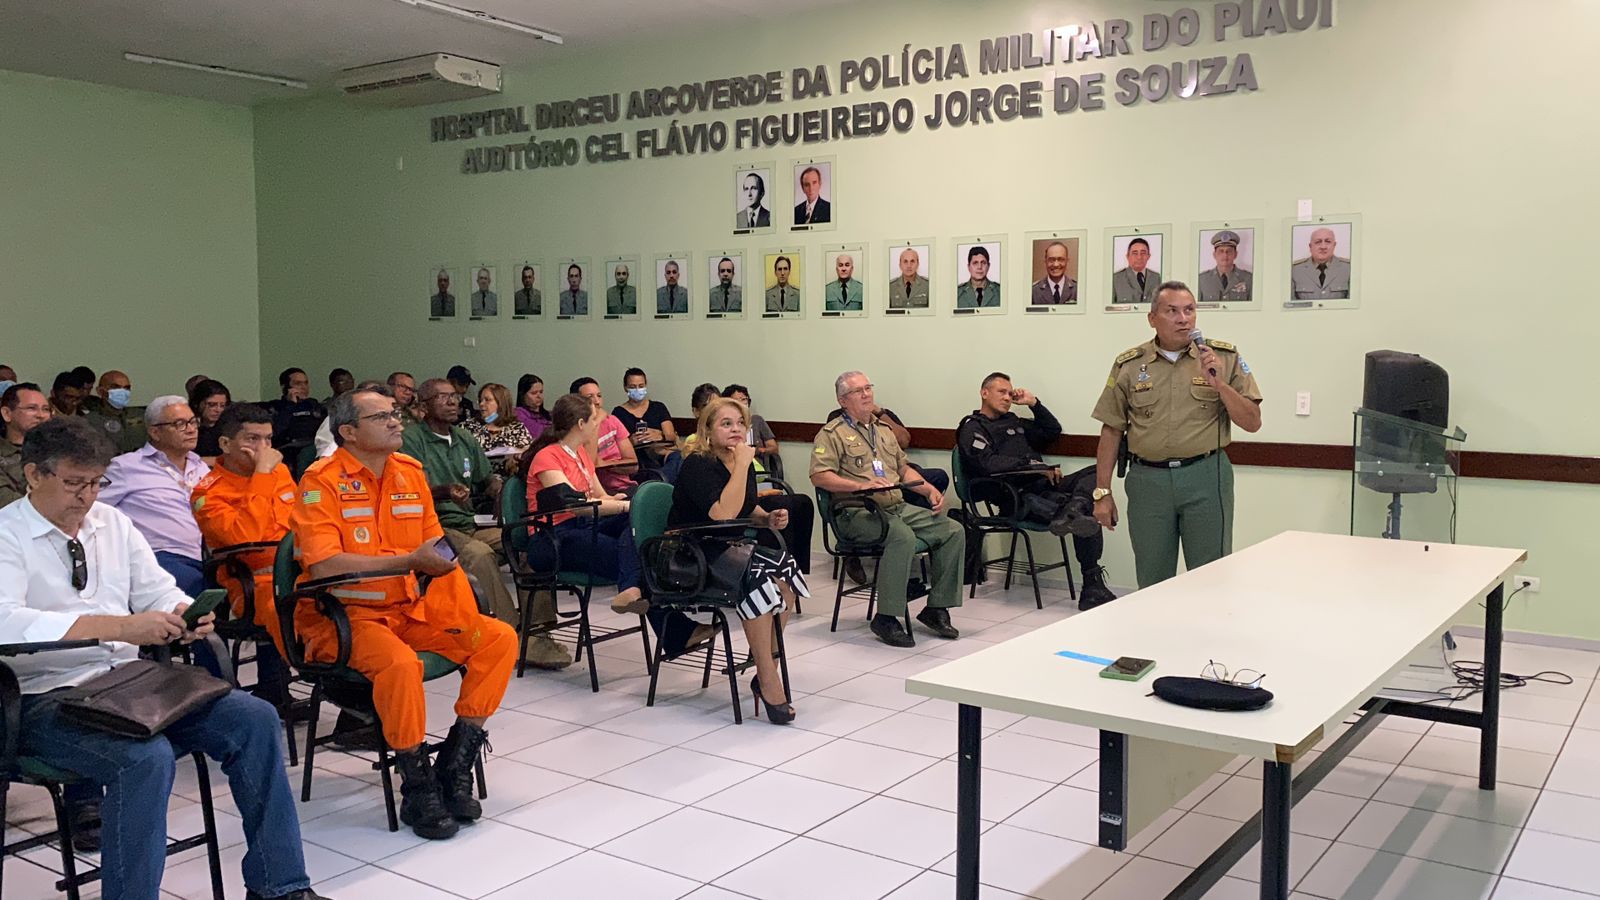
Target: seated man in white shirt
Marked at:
72, 569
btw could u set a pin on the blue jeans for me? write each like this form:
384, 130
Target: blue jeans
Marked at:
614, 555
238, 731
189, 573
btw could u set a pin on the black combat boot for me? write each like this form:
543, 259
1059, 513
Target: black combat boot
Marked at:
421, 802
456, 770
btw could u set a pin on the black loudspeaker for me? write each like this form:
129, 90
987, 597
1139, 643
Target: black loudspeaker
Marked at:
1407, 386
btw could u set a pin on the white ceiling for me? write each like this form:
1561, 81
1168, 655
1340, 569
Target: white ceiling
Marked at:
312, 40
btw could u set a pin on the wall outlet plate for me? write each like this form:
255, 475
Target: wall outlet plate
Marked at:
1526, 583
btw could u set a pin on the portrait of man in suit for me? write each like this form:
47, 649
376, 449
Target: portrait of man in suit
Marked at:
672, 296
726, 296
845, 293
484, 302
442, 305
909, 289
813, 207
752, 202
979, 291
1056, 285
1322, 274
528, 301
622, 297
1137, 280
574, 301
783, 296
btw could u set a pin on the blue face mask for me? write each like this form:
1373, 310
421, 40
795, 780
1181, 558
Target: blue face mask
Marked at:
489, 419
118, 397
637, 394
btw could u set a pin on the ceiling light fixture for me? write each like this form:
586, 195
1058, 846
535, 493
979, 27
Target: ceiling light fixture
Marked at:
214, 70
483, 18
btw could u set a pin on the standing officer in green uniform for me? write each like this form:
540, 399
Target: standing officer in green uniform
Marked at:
854, 452
109, 413
1175, 400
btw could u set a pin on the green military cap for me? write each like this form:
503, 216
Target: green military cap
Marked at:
1225, 237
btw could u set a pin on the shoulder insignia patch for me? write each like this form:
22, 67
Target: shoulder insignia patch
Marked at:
310, 498
820, 451
1223, 345
199, 502
1127, 355
1111, 381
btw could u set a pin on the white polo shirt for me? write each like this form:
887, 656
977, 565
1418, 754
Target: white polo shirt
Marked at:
38, 602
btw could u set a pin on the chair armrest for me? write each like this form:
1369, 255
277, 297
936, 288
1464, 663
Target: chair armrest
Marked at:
544, 516
11, 693
720, 525
1002, 485
320, 592
863, 492
235, 549
45, 646
778, 483
1040, 469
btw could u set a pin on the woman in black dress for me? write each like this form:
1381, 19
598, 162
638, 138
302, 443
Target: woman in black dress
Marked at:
718, 483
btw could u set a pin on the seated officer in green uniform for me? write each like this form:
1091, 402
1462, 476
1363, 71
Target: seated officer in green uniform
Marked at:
109, 413
854, 452
1176, 401
457, 471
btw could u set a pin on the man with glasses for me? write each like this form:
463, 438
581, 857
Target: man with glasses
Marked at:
152, 485
23, 407
71, 569
857, 451
459, 472
368, 501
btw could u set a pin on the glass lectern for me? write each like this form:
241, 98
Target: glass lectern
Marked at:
1404, 483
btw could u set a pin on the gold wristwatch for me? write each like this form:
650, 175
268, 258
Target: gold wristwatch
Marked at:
1101, 493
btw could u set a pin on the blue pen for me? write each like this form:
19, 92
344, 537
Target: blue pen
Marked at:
1084, 657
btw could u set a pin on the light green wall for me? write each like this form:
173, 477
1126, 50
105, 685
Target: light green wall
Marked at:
1468, 153
127, 235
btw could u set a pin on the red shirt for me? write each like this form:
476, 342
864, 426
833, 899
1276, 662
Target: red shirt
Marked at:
578, 470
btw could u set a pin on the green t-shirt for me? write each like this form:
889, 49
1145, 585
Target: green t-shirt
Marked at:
458, 459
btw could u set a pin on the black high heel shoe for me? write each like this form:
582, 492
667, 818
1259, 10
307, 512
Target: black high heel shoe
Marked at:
777, 715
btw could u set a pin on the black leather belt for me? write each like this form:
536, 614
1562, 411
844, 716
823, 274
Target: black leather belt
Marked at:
1172, 463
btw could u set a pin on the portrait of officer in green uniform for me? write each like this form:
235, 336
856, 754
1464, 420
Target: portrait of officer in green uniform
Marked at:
1321, 274
672, 288
910, 288
981, 289
1176, 400
845, 293
1230, 278
622, 296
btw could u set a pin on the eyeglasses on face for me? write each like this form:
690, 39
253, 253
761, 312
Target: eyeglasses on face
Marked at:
79, 485
864, 389
178, 424
393, 415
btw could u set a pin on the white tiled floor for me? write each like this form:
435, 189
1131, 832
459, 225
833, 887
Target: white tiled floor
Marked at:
596, 796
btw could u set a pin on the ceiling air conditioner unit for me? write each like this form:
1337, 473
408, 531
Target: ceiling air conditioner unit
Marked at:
420, 80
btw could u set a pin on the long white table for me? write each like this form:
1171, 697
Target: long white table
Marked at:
1328, 618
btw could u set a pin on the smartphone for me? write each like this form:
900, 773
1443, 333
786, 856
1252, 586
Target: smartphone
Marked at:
444, 549
1128, 668
208, 601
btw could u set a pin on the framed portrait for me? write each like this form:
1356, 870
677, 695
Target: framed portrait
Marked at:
815, 206
1324, 263
979, 266
673, 284
527, 301
573, 300
1226, 254
844, 289
441, 293
910, 267
622, 287
1137, 257
484, 302
725, 284
1057, 275
782, 275
752, 198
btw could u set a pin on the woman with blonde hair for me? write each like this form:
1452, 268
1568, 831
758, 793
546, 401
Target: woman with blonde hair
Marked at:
716, 484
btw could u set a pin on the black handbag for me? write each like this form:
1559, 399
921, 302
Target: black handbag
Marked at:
140, 699
680, 570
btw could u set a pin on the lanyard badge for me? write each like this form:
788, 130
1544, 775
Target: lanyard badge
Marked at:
877, 468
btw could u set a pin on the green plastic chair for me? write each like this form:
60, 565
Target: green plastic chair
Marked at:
841, 550
517, 530
984, 519
335, 681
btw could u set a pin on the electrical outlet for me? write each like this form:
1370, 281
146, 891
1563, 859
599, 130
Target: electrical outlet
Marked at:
469, 342
1526, 583
1302, 403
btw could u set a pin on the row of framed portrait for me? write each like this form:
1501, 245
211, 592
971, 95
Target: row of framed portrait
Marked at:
1318, 269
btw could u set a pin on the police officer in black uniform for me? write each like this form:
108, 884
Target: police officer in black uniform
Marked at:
993, 440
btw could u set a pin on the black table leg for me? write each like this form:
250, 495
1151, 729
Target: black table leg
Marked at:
1489, 733
969, 744
1277, 798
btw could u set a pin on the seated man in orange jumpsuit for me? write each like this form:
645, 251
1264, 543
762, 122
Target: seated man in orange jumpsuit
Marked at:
367, 501
248, 498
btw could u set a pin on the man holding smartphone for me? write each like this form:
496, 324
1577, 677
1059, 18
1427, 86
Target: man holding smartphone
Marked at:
994, 440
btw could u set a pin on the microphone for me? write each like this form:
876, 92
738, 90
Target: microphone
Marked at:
1199, 340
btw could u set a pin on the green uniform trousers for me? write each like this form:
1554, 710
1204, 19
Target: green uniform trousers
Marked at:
1192, 505
946, 542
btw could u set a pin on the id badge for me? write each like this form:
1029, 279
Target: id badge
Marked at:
877, 468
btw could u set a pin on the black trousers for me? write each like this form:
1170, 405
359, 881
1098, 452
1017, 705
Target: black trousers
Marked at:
1042, 502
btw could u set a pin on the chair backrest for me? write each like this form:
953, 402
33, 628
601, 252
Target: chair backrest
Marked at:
285, 572
648, 511
825, 516
513, 506
304, 459
956, 477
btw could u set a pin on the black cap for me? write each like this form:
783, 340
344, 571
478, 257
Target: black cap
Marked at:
460, 375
